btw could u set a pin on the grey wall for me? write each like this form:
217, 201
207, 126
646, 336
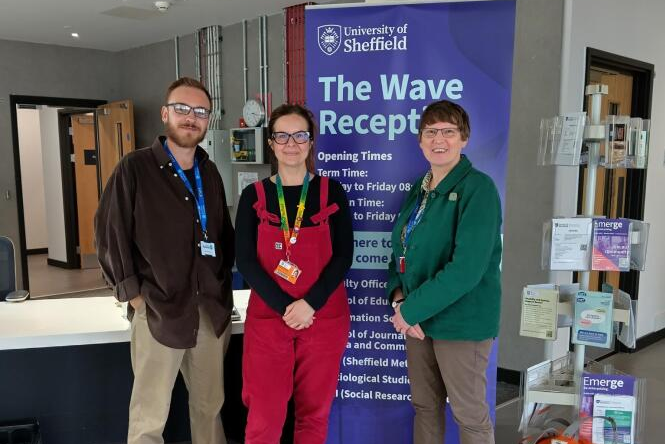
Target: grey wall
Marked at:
142, 75
145, 73
44, 70
232, 66
529, 188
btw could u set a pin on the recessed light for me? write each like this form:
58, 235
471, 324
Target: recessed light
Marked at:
75, 35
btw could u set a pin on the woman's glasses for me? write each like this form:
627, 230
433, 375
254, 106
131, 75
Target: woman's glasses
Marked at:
283, 138
447, 133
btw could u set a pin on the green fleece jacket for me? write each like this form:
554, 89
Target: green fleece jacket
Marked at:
452, 282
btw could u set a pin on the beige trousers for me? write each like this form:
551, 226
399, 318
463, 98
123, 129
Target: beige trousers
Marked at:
155, 369
456, 369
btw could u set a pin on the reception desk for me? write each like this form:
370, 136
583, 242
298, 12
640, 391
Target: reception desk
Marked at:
66, 363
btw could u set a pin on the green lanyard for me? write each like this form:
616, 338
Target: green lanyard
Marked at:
290, 238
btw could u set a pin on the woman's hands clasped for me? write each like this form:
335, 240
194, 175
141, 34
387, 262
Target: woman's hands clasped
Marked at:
299, 315
401, 326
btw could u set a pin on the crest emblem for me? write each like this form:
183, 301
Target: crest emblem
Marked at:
330, 38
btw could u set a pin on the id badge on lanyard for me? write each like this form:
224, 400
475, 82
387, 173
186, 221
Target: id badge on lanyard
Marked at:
207, 248
286, 269
414, 219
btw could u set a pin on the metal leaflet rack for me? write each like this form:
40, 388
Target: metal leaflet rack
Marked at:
594, 133
551, 390
552, 382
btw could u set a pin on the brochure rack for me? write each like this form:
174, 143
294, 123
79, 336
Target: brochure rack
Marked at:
624, 141
574, 139
551, 395
638, 238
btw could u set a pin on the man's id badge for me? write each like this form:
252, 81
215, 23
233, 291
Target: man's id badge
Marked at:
288, 270
207, 249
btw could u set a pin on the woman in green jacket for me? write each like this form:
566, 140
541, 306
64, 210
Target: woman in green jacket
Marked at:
444, 281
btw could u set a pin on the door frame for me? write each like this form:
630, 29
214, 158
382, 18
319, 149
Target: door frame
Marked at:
642, 97
14, 101
68, 169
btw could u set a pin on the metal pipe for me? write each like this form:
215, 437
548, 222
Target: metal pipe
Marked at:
211, 61
206, 57
244, 59
176, 41
218, 75
260, 58
208, 52
287, 47
197, 59
265, 67
589, 207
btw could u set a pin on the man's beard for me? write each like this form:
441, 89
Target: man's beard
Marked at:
187, 140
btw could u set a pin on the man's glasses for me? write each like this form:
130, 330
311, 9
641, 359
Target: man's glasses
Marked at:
181, 108
283, 138
447, 133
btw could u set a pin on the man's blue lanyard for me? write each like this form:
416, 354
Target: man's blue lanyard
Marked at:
414, 219
198, 196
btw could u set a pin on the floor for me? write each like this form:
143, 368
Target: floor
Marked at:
648, 363
47, 280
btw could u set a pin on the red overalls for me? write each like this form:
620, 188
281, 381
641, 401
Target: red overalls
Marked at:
279, 361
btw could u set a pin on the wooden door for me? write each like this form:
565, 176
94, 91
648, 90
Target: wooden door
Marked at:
115, 127
610, 184
85, 175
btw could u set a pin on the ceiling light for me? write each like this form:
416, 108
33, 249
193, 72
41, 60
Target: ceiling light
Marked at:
75, 35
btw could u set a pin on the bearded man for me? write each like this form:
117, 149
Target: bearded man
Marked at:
166, 245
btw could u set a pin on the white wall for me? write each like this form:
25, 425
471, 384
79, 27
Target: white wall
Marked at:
634, 30
55, 213
32, 178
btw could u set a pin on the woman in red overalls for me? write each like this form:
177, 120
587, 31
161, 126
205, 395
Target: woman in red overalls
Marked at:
294, 245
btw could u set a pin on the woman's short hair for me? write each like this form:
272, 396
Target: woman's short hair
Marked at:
446, 111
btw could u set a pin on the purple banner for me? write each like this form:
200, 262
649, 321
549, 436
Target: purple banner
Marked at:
371, 70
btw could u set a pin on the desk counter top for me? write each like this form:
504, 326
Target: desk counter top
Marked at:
76, 321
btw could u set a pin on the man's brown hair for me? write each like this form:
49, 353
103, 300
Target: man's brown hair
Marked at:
187, 81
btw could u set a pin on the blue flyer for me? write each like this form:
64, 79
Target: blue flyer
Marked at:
594, 316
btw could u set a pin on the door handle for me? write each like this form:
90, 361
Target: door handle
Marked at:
8, 195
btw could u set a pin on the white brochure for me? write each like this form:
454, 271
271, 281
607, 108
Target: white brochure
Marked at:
621, 408
571, 243
570, 145
539, 313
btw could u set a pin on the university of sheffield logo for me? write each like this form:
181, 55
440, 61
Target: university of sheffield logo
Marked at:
330, 38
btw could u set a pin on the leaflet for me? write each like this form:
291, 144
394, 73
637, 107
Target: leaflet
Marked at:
539, 313
571, 239
611, 245
622, 410
593, 321
612, 396
570, 144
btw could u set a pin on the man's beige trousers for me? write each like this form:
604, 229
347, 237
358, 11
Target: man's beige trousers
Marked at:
155, 369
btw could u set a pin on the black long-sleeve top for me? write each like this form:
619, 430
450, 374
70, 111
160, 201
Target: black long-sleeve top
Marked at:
341, 235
